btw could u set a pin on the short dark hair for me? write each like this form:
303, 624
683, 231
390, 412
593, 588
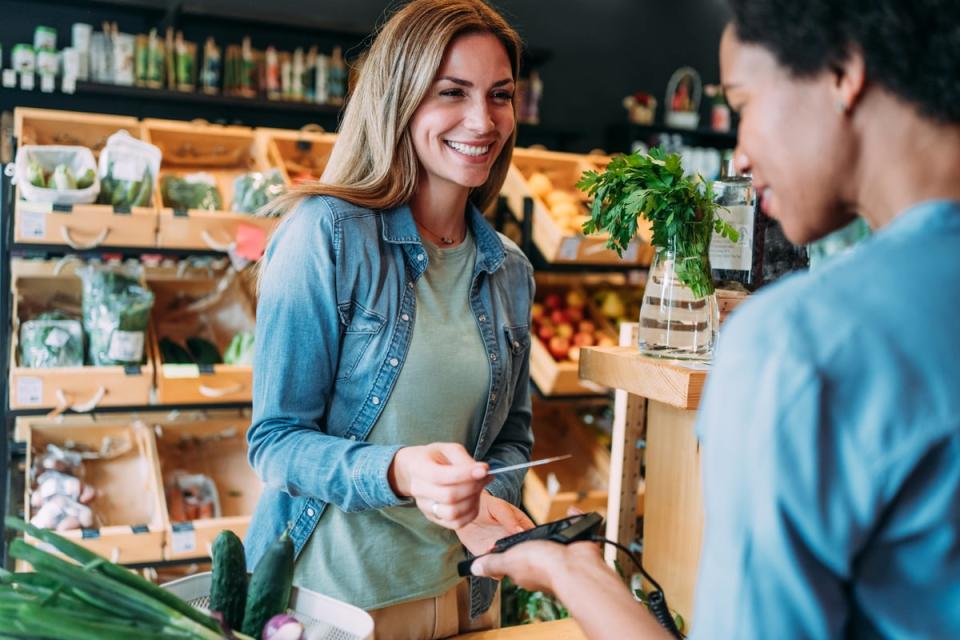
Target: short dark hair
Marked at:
910, 47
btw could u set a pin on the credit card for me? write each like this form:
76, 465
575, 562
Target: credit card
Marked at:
525, 465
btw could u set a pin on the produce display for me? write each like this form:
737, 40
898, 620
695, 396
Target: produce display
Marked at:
566, 206
192, 496
116, 312
240, 349
196, 350
617, 304
51, 339
127, 168
192, 191
268, 593
562, 322
59, 496
251, 191
82, 596
56, 173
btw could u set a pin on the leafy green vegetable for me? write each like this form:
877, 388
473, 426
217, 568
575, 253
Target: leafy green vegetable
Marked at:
62, 178
51, 339
253, 190
190, 193
681, 209
116, 311
125, 193
240, 349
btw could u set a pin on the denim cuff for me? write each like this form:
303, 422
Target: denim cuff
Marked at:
371, 479
504, 489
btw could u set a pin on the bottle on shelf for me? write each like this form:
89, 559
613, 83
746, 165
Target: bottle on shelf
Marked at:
738, 262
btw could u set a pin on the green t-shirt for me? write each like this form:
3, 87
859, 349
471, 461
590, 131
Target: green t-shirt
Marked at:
380, 557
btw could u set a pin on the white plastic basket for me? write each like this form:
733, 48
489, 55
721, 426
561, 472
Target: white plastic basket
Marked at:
323, 618
79, 159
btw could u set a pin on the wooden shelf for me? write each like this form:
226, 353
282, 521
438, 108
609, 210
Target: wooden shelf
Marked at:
566, 629
625, 368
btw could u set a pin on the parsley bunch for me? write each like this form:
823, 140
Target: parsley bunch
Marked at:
681, 210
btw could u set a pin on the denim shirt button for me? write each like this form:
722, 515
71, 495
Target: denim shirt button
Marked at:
409, 285
353, 437
482, 318
493, 397
493, 357
405, 317
394, 362
310, 513
375, 400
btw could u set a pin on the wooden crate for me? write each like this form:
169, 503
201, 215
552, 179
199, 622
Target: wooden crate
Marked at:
34, 285
224, 309
297, 154
225, 152
727, 300
129, 504
79, 226
212, 444
556, 242
581, 481
552, 376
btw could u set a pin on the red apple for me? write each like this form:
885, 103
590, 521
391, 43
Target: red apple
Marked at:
546, 332
559, 347
536, 312
576, 300
584, 339
586, 327
565, 330
553, 301
574, 314
558, 317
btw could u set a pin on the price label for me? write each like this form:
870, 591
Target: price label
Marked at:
29, 391
630, 255
181, 371
26, 81
9, 79
183, 538
69, 84
33, 222
48, 83
569, 249
126, 346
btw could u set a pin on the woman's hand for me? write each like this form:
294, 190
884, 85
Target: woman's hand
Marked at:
496, 519
444, 480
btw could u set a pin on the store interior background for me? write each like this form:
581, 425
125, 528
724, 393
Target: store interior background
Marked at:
597, 51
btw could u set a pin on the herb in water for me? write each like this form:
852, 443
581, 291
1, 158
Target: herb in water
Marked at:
681, 210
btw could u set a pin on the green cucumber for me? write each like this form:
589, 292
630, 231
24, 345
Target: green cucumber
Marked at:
228, 591
270, 586
203, 351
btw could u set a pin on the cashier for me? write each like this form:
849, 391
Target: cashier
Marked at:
830, 425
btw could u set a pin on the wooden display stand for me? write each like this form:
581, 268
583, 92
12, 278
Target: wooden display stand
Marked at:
659, 398
226, 153
296, 154
80, 226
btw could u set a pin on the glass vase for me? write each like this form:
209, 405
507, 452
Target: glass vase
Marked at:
677, 321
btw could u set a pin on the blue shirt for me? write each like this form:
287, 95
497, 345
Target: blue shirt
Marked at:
830, 433
334, 322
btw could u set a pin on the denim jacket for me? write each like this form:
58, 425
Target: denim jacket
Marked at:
334, 322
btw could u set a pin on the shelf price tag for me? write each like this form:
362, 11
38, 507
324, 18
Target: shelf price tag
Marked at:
33, 220
183, 538
569, 248
29, 390
26, 81
181, 371
9, 78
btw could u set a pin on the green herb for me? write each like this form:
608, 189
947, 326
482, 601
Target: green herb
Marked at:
681, 209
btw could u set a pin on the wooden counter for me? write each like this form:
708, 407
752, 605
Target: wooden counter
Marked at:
656, 402
558, 630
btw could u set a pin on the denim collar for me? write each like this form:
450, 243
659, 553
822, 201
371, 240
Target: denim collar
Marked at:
399, 227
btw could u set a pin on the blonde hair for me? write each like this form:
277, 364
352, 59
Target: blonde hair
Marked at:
373, 163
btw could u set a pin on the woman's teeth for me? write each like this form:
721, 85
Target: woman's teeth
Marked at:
468, 150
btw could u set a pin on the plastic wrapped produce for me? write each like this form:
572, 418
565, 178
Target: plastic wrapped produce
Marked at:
127, 170
116, 311
240, 349
60, 174
193, 191
52, 339
253, 190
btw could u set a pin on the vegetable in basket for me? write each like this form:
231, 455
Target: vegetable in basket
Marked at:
253, 190
270, 586
62, 178
52, 339
116, 311
228, 587
240, 349
194, 191
125, 193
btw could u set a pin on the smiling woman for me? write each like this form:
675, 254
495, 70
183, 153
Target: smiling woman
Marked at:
392, 347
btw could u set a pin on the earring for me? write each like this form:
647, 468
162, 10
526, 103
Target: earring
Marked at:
842, 106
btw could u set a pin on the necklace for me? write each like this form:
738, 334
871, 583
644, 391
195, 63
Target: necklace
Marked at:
442, 239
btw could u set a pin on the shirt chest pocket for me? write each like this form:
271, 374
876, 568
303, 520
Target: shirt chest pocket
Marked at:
518, 347
361, 326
